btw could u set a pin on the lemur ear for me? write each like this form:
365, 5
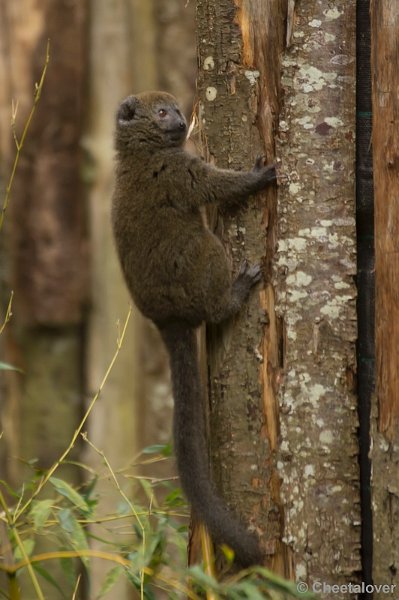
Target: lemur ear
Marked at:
127, 110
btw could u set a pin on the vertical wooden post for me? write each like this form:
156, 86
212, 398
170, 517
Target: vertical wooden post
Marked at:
385, 410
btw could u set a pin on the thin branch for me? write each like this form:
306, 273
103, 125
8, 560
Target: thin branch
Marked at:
21, 547
117, 485
20, 143
6, 551
78, 431
107, 556
8, 313
126, 499
46, 556
75, 591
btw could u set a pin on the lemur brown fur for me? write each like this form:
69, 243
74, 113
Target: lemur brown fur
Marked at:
178, 275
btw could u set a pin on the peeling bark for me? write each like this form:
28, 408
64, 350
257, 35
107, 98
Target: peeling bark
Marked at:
294, 428
238, 48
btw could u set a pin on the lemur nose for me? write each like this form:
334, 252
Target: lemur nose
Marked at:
182, 125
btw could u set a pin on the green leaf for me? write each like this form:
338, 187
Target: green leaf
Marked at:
69, 492
7, 367
147, 487
155, 548
175, 498
250, 590
40, 512
278, 583
111, 578
206, 581
75, 532
9, 489
229, 553
123, 508
66, 520
68, 567
28, 547
163, 449
49, 578
136, 582
90, 487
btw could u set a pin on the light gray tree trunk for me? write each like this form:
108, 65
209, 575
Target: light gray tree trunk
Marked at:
314, 271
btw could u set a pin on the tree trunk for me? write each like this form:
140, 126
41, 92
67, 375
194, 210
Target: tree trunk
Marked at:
314, 270
45, 235
281, 380
238, 46
45, 229
113, 426
385, 408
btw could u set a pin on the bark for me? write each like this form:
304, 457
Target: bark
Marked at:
238, 47
288, 360
385, 407
315, 267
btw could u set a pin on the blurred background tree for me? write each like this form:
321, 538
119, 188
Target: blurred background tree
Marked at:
57, 251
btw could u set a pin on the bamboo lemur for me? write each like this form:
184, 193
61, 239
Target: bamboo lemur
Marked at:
178, 274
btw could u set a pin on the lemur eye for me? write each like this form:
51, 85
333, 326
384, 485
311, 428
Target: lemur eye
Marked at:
162, 112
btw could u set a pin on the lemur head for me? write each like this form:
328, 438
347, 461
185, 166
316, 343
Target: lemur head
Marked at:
151, 119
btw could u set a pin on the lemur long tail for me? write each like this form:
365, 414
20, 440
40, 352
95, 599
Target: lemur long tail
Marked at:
191, 451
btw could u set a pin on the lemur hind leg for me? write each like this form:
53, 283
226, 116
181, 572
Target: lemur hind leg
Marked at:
231, 303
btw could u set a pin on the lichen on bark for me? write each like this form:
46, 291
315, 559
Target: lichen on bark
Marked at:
316, 296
